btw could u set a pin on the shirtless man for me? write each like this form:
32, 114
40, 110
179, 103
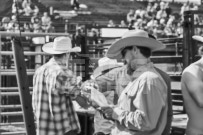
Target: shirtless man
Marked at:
192, 89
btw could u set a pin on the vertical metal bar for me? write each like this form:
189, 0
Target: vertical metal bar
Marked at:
86, 51
23, 86
0, 76
193, 46
186, 42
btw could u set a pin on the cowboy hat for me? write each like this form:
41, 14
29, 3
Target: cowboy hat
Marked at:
198, 38
105, 64
133, 38
59, 46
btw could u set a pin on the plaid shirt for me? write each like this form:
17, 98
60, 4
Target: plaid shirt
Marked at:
51, 101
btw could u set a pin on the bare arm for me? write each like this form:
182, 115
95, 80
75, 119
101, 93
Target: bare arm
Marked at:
192, 80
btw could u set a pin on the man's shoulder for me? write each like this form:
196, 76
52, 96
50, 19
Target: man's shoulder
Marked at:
191, 68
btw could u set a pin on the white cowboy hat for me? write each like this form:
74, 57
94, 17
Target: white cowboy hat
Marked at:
105, 64
198, 38
59, 46
133, 38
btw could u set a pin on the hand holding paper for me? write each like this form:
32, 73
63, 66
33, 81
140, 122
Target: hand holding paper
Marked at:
90, 89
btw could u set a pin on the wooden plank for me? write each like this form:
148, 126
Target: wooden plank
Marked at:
23, 85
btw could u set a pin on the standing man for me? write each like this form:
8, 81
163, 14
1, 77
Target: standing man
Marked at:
142, 106
104, 76
53, 85
192, 89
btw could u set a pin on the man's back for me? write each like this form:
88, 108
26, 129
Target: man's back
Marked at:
192, 88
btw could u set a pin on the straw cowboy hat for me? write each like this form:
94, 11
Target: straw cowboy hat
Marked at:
105, 64
59, 46
133, 38
198, 38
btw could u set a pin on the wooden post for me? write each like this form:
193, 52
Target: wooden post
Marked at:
23, 85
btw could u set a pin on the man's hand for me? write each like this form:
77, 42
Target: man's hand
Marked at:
107, 111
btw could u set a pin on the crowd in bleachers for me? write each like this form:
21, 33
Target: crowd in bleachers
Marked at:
158, 19
37, 23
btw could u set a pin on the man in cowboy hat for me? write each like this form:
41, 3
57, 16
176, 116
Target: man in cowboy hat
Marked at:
192, 89
53, 85
104, 76
142, 106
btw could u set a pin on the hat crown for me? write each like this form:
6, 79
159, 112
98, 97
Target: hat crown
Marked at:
62, 43
135, 33
106, 61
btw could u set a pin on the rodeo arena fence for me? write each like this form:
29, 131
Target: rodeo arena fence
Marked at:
20, 56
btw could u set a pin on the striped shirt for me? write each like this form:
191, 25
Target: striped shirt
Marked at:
53, 109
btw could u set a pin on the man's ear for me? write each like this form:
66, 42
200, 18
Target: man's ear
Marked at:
135, 49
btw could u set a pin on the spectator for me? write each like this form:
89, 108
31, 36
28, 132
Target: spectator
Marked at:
5, 21
26, 27
123, 24
25, 3
78, 39
192, 87
37, 28
131, 25
130, 16
111, 24
50, 28
28, 11
35, 18
36, 9
161, 14
168, 9
75, 4
179, 29
45, 19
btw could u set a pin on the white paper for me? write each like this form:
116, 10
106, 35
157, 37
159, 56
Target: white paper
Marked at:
99, 98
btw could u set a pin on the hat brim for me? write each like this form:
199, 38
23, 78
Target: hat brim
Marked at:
98, 71
114, 52
198, 38
48, 48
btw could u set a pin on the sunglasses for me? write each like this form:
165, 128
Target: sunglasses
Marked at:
124, 50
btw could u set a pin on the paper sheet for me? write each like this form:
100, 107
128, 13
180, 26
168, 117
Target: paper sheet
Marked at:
99, 98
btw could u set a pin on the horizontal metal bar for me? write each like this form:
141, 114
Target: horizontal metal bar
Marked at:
14, 73
18, 34
10, 93
12, 123
10, 106
11, 113
25, 53
12, 88
14, 133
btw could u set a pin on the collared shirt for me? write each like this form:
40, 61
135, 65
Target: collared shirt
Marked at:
110, 84
52, 105
146, 95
